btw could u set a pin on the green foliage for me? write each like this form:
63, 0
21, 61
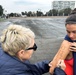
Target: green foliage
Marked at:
39, 13
29, 14
63, 12
67, 11
53, 12
1, 10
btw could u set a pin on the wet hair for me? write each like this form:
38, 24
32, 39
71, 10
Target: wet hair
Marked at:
71, 19
16, 38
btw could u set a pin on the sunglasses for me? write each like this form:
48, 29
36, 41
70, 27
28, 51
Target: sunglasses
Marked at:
34, 47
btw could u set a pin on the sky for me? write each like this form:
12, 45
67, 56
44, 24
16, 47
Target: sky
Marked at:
18, 6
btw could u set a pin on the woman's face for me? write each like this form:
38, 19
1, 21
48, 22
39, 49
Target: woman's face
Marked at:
71, 31
26, 54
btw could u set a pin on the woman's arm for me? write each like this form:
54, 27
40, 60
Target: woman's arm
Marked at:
42, 66
61, 54
59, 71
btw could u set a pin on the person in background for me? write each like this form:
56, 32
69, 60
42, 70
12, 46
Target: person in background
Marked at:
17, 44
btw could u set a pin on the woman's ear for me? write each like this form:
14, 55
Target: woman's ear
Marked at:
20, 53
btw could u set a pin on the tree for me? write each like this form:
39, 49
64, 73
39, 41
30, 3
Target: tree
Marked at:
11, 15
67, 11
25, 12
29, 14
49, 13
1, 10
22, 13
54, 12
39, 13
61, 12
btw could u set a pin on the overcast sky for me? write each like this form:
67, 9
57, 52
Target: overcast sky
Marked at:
26, 5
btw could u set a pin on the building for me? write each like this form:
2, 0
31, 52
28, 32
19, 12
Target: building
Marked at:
59, 5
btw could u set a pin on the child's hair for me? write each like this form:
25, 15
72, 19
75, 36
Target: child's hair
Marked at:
71, 18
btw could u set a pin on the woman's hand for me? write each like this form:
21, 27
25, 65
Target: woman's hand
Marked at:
61, 64
73, 47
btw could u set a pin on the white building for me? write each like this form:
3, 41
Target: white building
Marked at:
59, 5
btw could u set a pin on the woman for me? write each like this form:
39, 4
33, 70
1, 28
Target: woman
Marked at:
17, 47
71, 37
70, 41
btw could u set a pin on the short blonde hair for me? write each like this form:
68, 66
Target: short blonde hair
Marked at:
15, 38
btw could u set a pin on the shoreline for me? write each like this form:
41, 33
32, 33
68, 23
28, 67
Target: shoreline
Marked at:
40, 17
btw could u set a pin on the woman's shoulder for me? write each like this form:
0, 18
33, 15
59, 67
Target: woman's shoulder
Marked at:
68, 38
